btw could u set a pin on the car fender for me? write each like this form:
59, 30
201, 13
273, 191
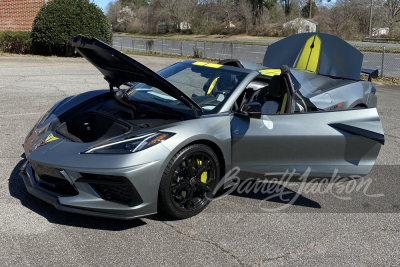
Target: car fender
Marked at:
212, 128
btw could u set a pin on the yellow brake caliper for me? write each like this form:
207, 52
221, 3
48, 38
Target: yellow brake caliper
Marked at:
203, 177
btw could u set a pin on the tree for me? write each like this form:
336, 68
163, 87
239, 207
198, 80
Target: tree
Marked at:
245, 15
134, 2
57, 20
393, 7
113, 10
286, 4
270, 4
305, 11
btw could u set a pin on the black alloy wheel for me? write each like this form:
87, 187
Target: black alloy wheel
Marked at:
189, 181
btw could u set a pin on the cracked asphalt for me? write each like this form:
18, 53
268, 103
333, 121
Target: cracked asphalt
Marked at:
315, 230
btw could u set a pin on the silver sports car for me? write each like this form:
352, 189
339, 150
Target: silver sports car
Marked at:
167, 140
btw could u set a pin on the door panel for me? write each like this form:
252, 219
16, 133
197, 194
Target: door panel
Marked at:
276, 143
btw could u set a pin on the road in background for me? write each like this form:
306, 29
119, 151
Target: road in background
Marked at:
275, 40
315, 230
251, 53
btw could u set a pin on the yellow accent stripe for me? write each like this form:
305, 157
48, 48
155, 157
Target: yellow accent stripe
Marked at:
203, 177
205, 64
212, 86
270, 72
309, 57
283, 105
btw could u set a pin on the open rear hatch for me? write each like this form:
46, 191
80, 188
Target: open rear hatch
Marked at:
316, 52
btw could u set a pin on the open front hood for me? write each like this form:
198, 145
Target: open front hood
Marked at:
316, 52
119, 68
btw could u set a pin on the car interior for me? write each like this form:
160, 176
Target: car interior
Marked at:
271, 93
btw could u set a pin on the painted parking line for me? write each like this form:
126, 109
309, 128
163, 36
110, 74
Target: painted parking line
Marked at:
222, 54
257, 52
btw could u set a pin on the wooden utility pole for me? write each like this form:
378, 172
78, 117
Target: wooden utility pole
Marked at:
370, 20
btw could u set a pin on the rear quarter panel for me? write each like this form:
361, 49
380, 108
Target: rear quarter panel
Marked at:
344, 97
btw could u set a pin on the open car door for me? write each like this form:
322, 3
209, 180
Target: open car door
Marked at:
344, 142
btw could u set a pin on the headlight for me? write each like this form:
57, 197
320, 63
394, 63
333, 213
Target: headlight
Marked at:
131, 145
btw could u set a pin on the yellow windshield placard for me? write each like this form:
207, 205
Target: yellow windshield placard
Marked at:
205, 64
270, 72
309, 57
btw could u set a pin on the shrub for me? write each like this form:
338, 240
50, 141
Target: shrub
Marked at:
196, 52
15, 42
59, 19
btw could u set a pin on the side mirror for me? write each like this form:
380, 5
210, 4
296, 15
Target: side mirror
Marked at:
251, 110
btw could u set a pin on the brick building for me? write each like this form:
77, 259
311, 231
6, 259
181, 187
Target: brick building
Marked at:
18, 15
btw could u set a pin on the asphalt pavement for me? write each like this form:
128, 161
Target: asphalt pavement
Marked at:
318, 229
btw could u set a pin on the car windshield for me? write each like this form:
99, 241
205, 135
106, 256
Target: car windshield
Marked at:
207, 84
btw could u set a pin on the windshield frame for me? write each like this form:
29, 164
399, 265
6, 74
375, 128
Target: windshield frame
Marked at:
242, 73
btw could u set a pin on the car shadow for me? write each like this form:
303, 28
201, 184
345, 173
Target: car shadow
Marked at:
17, 190
271, 192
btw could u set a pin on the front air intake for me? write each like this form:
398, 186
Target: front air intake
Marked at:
113, 188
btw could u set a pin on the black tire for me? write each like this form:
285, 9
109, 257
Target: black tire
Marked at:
184, 178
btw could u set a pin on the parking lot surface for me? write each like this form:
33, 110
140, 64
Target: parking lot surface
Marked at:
316, 229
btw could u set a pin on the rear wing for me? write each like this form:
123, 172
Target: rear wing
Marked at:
372, 74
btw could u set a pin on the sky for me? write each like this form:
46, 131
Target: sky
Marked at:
102, 3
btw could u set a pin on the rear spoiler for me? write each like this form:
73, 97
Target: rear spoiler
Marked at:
372, 74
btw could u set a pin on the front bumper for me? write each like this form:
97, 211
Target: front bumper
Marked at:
85, 202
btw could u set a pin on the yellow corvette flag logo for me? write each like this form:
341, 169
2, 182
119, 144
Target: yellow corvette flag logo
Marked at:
50, 138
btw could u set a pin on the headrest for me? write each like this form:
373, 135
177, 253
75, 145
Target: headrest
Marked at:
274, 88
256, 85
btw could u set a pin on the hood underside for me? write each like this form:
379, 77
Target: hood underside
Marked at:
316, 52
119, 69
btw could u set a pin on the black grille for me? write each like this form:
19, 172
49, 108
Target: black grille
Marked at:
116, 193
51, 179
113, 188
